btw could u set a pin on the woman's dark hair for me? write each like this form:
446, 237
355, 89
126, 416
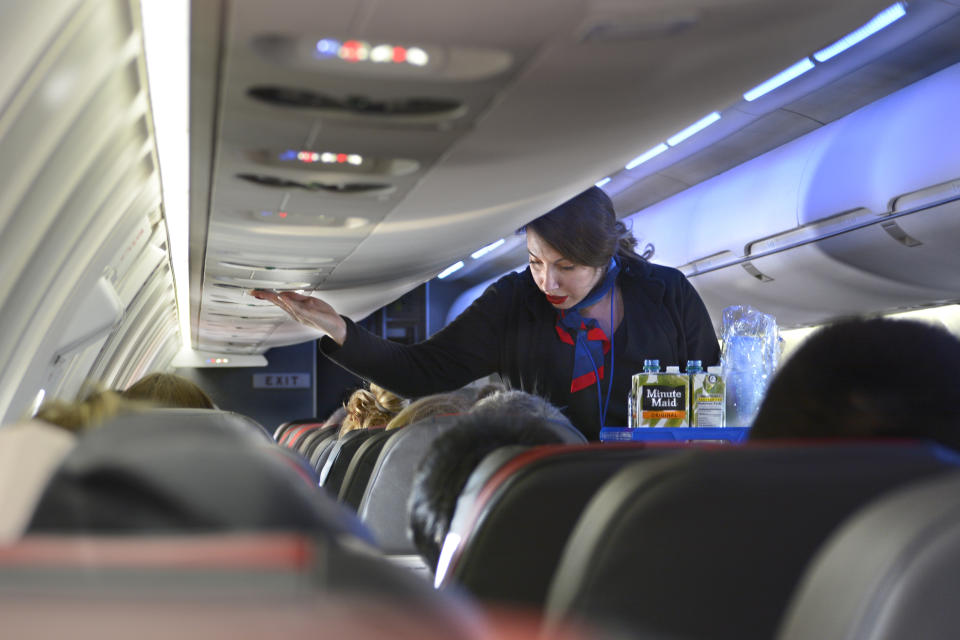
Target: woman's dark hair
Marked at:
585, 230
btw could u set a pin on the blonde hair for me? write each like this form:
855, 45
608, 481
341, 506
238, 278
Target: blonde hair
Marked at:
169, 390
97, 407
428, 406
370, 407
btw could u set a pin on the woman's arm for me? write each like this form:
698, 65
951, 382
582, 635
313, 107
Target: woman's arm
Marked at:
467, 349
308, 311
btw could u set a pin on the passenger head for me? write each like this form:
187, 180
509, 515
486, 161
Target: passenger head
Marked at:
428, 406
450, 460
489, 389
370, 407
515, 401
867, 378
336, 418
94, 409
169, 390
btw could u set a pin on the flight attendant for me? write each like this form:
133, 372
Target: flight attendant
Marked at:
573, 327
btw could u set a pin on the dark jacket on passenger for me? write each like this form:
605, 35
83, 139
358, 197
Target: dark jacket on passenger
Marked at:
510, 330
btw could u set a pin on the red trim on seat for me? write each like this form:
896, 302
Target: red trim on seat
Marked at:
276, 551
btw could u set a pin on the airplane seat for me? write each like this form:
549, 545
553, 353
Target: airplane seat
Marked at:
294, 435
510, 526
322, 453
284, 427
253, 585
335, 468
891, 571
315, 439
383, 508
361, 466
145, 472
711, 544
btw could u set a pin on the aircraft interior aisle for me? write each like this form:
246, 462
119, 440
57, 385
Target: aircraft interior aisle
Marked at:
181, 457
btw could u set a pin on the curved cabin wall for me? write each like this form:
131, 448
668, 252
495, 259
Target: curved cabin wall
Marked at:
80, 205
899, 153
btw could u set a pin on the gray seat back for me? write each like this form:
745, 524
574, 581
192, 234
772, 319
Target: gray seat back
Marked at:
892, 571
384, 505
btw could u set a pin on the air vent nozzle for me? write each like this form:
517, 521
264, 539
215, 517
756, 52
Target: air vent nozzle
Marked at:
360, 105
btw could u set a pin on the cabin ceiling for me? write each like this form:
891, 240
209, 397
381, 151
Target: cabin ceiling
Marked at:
534, 101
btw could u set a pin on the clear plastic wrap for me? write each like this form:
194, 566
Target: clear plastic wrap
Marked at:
751, 351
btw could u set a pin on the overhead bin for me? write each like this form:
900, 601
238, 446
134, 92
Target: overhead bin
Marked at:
786, 231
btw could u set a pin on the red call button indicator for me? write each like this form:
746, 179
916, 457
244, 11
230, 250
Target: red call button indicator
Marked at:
281, 381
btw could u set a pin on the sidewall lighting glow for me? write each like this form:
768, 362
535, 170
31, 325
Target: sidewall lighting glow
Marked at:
696, 127
882, 20
451, 269
652, 153
166, 29
782, 78
479, 253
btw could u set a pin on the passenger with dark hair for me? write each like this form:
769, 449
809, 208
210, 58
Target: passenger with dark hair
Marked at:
452, 457
574, 327
867, 378
169, 390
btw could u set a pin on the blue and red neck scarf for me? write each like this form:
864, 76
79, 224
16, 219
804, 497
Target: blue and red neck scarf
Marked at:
588, 339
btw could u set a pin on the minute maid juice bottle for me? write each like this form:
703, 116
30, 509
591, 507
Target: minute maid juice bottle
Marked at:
661, 399
707, 397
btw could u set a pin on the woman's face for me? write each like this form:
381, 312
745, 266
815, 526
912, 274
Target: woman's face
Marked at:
564, 283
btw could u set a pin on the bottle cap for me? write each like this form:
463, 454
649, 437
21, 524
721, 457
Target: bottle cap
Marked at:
673, 368
715, 369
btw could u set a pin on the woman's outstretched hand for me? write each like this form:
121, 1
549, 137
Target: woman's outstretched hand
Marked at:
308, 311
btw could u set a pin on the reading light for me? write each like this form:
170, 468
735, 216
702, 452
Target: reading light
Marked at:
451, 269
479, 253
779, 80
883, 19
604, 182
652, 153
696, 127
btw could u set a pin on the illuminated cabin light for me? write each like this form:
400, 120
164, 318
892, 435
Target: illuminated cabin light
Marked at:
779, 80
355, 159
696, 127
604, 182
354, 51
381, 53
328, 157
451, 269
643, 157
417, 57
880, 21
362, 51
328, 47
266, 214
218, 360
341, 158
479, 253
289, 154
282, 214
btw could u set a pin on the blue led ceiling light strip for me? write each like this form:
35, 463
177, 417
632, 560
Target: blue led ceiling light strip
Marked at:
779, 80
883, 19
451, 269
479, 253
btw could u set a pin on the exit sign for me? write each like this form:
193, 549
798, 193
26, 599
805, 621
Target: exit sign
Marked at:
281, 381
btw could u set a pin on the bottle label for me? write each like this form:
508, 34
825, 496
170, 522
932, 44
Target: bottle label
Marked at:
660, 400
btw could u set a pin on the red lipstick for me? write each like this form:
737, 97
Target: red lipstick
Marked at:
556, 299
